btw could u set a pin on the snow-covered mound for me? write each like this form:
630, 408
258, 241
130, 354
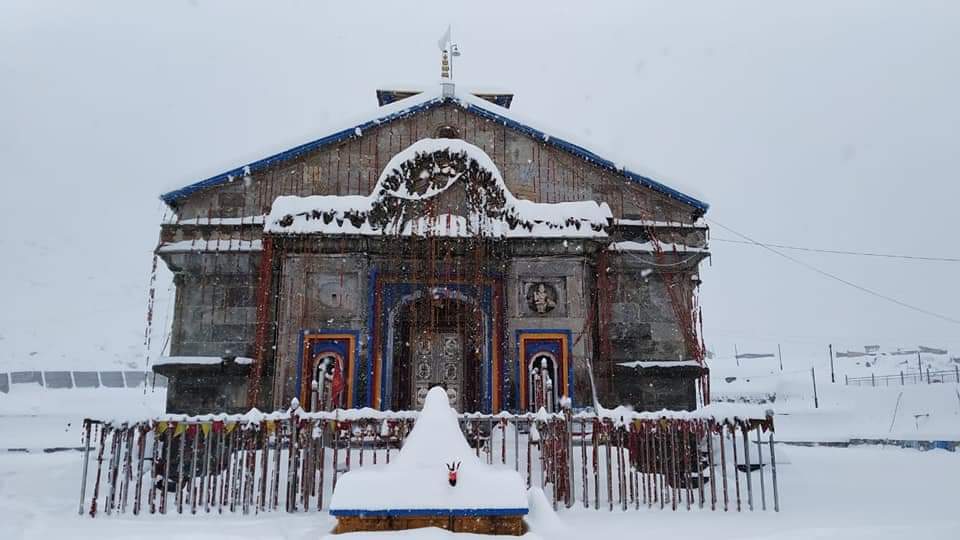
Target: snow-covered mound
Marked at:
417, 479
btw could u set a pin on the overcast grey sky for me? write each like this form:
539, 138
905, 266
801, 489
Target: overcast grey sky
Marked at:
828, 124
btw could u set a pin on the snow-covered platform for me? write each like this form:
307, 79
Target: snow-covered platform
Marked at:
435, 481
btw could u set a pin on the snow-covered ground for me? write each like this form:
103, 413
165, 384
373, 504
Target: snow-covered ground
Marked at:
908, 412
35, 418
848, 493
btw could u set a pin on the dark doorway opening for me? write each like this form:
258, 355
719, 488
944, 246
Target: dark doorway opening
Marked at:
438, 341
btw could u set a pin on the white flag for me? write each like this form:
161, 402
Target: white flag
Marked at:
444, 39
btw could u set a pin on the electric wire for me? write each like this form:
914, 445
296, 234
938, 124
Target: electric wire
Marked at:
837, 278
842, 252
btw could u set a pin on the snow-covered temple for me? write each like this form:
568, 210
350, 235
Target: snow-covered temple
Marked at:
442, 241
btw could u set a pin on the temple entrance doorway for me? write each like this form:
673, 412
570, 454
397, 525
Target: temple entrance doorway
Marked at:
438, 342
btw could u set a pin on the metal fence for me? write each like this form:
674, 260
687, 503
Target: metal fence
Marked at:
291, 462
902, 379
80, 379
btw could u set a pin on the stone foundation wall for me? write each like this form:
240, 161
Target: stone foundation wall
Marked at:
317, 291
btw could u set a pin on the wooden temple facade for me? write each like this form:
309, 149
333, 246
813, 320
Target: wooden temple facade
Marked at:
443, 243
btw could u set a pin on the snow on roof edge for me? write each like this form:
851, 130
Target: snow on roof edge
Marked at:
387, 113
510, 119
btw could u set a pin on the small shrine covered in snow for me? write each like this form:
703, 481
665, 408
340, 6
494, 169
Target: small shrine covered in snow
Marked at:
442, 242
436, 480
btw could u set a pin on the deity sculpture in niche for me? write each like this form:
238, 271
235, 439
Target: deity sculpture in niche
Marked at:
542, 297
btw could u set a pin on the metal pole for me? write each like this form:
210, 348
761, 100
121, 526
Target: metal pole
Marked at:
166, 467
763, 490
832, 376
813, 375
182, 449
516, 445
736, 355
780, 356
773, 475
723, 467
746, 462
141, 449
583, 462
713, 475
736, 473
86, 462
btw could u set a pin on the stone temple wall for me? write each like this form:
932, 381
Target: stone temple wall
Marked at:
215, 312
216, 315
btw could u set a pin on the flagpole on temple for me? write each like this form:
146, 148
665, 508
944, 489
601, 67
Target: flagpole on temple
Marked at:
449, 50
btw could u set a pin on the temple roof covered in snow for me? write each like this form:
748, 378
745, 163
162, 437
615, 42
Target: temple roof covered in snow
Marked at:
386, 97
414, 104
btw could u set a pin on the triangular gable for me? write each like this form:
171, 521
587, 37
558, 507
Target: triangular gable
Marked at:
421, 102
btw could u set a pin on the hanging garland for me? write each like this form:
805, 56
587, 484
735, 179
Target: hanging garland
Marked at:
407, 193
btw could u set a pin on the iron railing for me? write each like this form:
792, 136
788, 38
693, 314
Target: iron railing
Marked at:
291, 461
905, 378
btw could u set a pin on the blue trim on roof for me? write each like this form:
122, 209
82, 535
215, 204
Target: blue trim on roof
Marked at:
431, 512
352, 133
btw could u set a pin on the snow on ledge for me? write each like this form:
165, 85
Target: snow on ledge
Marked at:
201, 360
215, 221
660, 364
698, 224
192, 246
631, 246
718, 412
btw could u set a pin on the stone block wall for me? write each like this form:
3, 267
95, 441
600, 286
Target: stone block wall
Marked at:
652, 389
643, 324
194, 389
318, 291
569, 275
215, 312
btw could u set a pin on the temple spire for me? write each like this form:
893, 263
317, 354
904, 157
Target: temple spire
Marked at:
448, 50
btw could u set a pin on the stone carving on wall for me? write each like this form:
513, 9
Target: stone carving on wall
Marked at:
541, 297
335, 291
